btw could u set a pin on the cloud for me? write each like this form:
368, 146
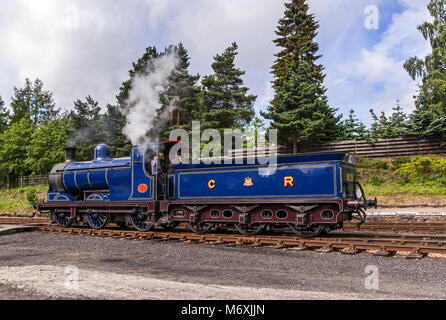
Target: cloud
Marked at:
83, 47
76, 48
375, 77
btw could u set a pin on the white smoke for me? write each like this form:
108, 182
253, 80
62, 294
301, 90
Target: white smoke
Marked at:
144, 107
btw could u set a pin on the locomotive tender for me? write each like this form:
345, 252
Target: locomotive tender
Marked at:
308, 193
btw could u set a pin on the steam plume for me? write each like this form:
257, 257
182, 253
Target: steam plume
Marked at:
144, 110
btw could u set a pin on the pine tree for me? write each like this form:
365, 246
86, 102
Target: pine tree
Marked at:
85, 113
226, 102
4, 116
296, 32
115, 118
430, 113
111, 131
184, 92
378, 125
304, 115
85, 132
301, 113
33, 102
353, 128
396, 125
142, 67
254, 131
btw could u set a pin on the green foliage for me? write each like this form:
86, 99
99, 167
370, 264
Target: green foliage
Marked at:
184, 92
31, 196
296, 32
21, 200
397, 162
85, 132
14, 145
142, 67
374, 163
26, 150
424, 169
394, 126
301, 113
427, 122
255, 129
111, 127
300, 109
353, 129
429, 117
4, 116
376, 181
226, 102
418, 175
33, 102
47, 146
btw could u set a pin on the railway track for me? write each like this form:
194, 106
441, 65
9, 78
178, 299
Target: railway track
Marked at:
409, 246
23, 220
398, 227
436, 228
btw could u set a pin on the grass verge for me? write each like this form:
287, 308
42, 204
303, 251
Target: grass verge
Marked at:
20, 201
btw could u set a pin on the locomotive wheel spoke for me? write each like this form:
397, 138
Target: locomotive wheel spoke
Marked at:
249, 230
200, 227
141, 221
97, 220
63, 219
312, 231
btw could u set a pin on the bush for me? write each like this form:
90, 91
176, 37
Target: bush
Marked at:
423, 169
31, 196
375, 181
397, 162
373, 163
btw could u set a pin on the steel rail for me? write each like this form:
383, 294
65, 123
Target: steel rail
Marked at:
368, 226
387, 246
399, 227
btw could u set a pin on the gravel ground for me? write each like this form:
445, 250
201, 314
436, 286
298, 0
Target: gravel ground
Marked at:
37, 265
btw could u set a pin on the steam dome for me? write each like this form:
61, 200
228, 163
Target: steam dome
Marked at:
102, 153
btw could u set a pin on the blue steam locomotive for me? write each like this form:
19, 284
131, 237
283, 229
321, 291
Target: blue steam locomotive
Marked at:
308, 193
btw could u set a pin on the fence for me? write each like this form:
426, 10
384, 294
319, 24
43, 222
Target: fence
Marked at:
391, 147
25, 182
381, 148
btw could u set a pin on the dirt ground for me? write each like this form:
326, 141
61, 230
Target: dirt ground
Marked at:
37, 265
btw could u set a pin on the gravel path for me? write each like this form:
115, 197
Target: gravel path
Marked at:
34, 265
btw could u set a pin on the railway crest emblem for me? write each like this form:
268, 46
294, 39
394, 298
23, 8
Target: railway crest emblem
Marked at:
248, 182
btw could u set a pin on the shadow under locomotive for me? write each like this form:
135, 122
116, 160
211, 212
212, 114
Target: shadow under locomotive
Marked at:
308, 193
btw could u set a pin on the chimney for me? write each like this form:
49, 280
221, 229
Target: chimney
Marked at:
70, 154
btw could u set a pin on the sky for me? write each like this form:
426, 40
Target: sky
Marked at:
83, 47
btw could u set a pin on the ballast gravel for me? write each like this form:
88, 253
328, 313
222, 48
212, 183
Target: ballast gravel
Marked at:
38, 265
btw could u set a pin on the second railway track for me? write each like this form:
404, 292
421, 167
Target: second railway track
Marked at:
409, 246
385, 245
436, 228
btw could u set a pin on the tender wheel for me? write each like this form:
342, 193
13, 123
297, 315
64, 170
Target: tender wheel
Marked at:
312, 231
249, 230
97, 220
63, 219
200, 227
141, 221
